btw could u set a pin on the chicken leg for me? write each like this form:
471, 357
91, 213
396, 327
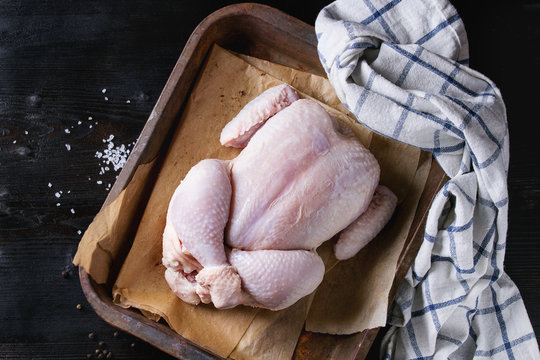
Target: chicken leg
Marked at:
194, 253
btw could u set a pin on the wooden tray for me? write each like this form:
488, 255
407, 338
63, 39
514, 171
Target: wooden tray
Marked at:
266, 33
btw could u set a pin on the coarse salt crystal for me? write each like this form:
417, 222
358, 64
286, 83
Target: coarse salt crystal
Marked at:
25, 132
99, 182
68, 147
103, 91
89, 118
57, 204
79, 232
128, 101
57, 194
72, 211
49, 185
106, 98
14, 141
79, 122
90, 126
112, 155
67, 131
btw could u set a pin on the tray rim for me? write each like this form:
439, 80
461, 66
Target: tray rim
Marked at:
135, 323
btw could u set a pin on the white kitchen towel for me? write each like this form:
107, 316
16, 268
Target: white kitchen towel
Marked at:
401, 67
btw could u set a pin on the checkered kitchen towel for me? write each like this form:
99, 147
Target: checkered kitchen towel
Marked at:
401, 67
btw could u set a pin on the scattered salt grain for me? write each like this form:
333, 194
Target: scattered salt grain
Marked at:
112, 155
57, 204
79, 232
128, 101
89, 118
25, 132
57, 194
72, 211
99, 182
14, 141
79, 122
90, 126
49, 185
68, 147
67, 131
103, 91
106, 98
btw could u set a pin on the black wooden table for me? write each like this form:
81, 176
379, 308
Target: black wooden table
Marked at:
76, 76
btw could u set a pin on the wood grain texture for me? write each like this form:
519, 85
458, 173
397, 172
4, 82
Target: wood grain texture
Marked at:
55, 59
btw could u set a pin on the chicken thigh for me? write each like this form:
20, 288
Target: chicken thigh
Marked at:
244, 231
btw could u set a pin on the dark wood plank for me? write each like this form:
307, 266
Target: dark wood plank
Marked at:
55, 59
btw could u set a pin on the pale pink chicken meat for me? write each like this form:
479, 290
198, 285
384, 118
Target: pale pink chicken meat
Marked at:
245, 231
239, 130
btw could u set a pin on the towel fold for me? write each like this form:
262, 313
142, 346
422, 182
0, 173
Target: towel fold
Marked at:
401, 67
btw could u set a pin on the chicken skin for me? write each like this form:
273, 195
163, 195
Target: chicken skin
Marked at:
244, 231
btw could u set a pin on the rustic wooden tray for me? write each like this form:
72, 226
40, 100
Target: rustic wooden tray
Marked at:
266, 33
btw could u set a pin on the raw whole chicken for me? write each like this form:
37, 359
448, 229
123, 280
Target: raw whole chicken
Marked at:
244, 231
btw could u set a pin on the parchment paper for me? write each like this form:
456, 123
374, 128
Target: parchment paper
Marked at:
225, 84
104, 240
